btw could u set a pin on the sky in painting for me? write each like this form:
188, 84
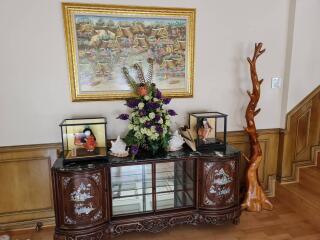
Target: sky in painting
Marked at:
146, 21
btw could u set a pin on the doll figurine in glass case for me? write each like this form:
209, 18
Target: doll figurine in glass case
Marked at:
84, 138
204, 129
208, 130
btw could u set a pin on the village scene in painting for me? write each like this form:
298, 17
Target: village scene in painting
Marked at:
106, 44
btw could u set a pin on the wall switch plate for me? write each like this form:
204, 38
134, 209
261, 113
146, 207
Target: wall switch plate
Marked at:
276, 82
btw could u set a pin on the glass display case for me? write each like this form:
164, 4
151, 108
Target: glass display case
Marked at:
152, 187
208, 130
84, 138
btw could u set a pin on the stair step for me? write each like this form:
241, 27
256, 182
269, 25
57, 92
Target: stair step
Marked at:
313, 172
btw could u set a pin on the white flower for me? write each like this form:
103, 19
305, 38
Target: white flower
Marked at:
136, 128
149, 132
144, 130
153, 128
136, 121
138, 135
154, 136
168, 123
165, 131
160, 121
130, 126
155, 99
151, 115
147, 98
167, 117
142, 120
141, 105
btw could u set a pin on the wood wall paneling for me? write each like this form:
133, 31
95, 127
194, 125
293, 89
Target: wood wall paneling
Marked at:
302, 135
26, 192
300, 138
269, 141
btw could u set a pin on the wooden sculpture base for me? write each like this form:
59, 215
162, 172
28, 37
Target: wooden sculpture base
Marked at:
255, 200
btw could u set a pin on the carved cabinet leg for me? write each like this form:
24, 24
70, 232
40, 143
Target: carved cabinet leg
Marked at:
236, 221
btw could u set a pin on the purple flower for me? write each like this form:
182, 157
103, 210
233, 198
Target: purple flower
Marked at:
132, 103
157, 118
158, 94
152, 105
123, 116
142, 113
159, 129
172, 112
134, 149
148, 124
166, 101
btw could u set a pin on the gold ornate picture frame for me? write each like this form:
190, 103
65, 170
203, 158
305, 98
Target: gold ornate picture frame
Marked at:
101, 39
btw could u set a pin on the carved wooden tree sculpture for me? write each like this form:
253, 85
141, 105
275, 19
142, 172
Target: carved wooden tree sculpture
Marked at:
255, 199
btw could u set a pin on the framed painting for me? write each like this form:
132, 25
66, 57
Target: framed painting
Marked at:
101, 39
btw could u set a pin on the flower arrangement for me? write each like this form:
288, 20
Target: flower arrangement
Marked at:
149, 121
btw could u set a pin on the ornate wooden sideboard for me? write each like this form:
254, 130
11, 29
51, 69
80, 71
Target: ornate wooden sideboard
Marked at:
101, 200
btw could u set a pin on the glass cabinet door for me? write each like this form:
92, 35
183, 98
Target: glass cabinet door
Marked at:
175, 184
134, 187
131, 189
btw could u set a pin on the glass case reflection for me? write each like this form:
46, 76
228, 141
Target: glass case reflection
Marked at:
131, 189
171, 184
174, 184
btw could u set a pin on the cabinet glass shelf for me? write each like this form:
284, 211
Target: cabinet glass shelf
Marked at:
120, 190
169, 184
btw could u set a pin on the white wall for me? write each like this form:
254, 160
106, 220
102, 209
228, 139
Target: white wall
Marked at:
34, 93
304, 71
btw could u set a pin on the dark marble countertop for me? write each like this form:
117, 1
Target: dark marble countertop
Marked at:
186, 152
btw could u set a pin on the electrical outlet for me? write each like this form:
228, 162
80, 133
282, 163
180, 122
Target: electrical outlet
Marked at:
276, 82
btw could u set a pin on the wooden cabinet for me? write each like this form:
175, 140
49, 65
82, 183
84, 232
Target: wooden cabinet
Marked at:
80, 198
101, 200
219, 183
